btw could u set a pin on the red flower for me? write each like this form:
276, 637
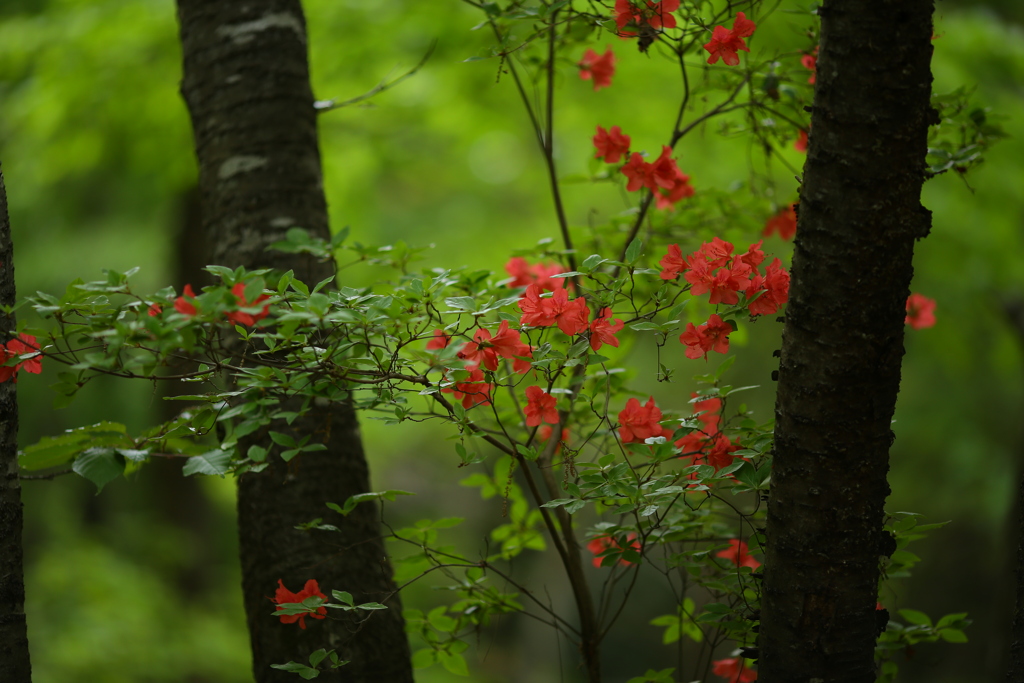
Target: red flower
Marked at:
774, 284
810, 62
539, 274
155, 310
654, 14
311, 589
570, 316
23, 345
665, 174
672, 263
920, 312
603, 329
800, 144
247, 319
601, 68
726, 42
540, 407
611, 144
737, 554
184, 303
638, 171
709, 416
638, 423
439, 341
485, 349
710, 336
471, 391
603, 544
784, 223
734, 670
546, 431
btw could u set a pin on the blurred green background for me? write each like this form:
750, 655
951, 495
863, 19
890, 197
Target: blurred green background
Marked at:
141, 583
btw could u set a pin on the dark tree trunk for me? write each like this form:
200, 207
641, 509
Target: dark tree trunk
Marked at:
15, 666
246, 82
1014, 658
859, 216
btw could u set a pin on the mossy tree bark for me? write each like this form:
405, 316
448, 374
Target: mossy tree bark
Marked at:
246, 83
15, 665
859, 217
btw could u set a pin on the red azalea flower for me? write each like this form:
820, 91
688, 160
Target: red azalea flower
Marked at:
471, 391
603, 330
665, 174
638, 171
810, 62
545, 432
639, 423
600, 68
672, 263
439, 341
540, 407
737, 554
784, 223
247, 319
155, 310
23, 345
184, 303
570, 316
486, 349
539, 274
800, 144
611, 144
707, 411
311, 589
920, 311
710, 336
734, 670
602, 544
725, 42
774, 284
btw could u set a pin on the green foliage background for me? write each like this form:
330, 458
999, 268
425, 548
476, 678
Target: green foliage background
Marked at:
96, 150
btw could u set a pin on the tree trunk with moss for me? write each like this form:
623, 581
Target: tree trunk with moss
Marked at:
859, 216
246, 83
15, 665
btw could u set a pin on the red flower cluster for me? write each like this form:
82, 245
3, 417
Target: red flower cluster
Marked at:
920, 311
603, 330
734, 670
708, 445
24, 344
611, 145
439, 341
570, 316
706, 337
800, 144
600, 68
810, 62
715, 270
185, 304
540, 406
738, 554
311, 589
784, 223
639, 423
657, 15
725, 42
539, 274
471, 391
662, 177
505, 343
602, 544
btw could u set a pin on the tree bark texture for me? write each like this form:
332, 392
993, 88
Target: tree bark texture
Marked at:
15, 665
1015, 668
859, 216
246, 83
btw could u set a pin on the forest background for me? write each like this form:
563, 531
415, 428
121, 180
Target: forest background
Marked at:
141, 582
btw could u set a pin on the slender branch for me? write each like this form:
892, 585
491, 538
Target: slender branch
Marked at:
323, 106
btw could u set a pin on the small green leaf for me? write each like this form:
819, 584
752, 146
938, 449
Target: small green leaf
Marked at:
633, 251
216, 461
100, 466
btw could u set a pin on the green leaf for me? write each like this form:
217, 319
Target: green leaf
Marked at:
100, 466
915, 617
953, 635
633, 251
456, 664
317, 657
301, 669
216, 461
51, 451
421, 659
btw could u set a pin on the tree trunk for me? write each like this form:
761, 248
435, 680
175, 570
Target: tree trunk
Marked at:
859, 216
246, 83
15, 665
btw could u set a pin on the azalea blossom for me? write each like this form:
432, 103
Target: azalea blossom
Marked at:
155, 310
611, 144
657, 15
733, 670
800, 144
439, 341
639, 423
247, 319
710, 336
184, 304
539, 274
600, 68
603, 544
638, 171
920, 311
603, 330
738, 554
472, 391
22, 345
810, 62
311, 589
540, 407
725, 42
672, 263
775, 287
506, 343
783, 223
